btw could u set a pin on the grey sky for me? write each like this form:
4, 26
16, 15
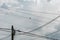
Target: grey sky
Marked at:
27, 15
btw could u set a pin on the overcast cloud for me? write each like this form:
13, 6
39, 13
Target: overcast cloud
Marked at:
27, 15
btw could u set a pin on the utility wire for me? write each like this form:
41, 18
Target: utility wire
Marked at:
5, 29
45, 24
35, 35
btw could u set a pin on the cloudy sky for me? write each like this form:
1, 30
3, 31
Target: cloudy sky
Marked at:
27, 15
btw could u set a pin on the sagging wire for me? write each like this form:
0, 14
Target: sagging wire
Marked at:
34, 35
45, 24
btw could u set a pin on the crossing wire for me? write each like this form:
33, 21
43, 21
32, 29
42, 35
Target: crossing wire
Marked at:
31, 34
45, 24
35, 35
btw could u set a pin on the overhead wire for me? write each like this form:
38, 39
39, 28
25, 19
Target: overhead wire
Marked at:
36, 29
32, 35
50, 21
45, 24
5, 29
35, 35
34, 11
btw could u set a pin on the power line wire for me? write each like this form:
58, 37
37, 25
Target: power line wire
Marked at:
45, 24
32, 35
35, 35
5, 29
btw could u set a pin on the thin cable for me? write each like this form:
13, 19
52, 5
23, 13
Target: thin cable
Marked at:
35, 35
45, 24
5, 29
5, 37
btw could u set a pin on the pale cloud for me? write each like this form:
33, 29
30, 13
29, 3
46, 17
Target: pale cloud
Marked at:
21, 20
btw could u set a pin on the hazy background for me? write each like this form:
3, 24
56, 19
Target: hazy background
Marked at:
27, 15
